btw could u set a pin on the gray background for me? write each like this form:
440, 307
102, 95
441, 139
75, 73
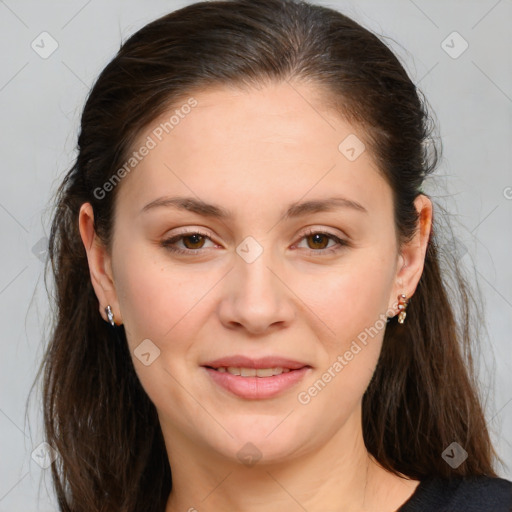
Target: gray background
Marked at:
40, 104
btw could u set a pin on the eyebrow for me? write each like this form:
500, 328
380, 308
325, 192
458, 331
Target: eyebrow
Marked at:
294, 210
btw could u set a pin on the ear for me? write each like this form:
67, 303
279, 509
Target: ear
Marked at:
100, 264
411, 259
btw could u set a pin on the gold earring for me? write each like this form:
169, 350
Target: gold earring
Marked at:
402, 306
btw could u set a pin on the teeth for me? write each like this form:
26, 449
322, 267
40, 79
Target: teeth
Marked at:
266, 372
253, 372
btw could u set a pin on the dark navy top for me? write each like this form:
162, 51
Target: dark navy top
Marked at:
461, 494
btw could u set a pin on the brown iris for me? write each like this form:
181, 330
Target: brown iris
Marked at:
197, 239
316, 236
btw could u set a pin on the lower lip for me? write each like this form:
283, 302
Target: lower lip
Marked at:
257, 388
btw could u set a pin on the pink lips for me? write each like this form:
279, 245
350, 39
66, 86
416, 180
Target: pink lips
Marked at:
248, 362
256, 388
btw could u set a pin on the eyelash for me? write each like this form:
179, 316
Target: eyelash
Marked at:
167, 244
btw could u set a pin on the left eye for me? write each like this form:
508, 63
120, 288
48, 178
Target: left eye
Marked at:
194, 239
319, 238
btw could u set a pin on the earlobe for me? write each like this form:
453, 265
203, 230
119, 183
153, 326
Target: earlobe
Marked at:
99, 263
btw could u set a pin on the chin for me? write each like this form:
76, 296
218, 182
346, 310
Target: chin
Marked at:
263, 439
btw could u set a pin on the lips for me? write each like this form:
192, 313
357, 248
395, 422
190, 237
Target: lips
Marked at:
254, 372
239, 361
256, 379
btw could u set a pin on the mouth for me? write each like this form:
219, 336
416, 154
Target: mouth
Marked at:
256, 379
251, 372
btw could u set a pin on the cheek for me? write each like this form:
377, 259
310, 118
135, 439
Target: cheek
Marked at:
347, 365
155, 297
350, 311
157, 302
349, 298
166, 303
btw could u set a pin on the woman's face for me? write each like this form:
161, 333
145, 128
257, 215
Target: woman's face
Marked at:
255, 283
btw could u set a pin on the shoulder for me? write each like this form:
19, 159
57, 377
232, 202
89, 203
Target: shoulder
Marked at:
461, 494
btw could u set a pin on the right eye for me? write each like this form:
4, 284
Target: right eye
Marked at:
188, 238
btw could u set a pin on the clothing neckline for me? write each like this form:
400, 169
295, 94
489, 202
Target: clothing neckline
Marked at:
416, 496
411, 500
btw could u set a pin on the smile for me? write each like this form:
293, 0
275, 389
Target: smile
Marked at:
256, 383
252, 372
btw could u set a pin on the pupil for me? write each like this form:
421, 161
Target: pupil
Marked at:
195, 238
315, 238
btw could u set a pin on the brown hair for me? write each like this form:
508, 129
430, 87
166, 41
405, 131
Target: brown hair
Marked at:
423, 395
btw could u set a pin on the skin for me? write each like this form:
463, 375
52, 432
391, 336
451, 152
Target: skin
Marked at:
254, 153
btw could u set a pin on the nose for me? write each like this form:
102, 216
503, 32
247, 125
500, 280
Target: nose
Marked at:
257, 296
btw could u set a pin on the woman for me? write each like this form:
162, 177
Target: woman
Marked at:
251, 313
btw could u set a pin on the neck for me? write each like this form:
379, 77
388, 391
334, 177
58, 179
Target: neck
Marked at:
340, 475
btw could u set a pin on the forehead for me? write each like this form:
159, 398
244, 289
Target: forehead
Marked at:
275, 141
285, 118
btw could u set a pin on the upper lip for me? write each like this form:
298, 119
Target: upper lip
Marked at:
239, 361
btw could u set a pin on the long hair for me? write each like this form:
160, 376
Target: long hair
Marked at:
423, 395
